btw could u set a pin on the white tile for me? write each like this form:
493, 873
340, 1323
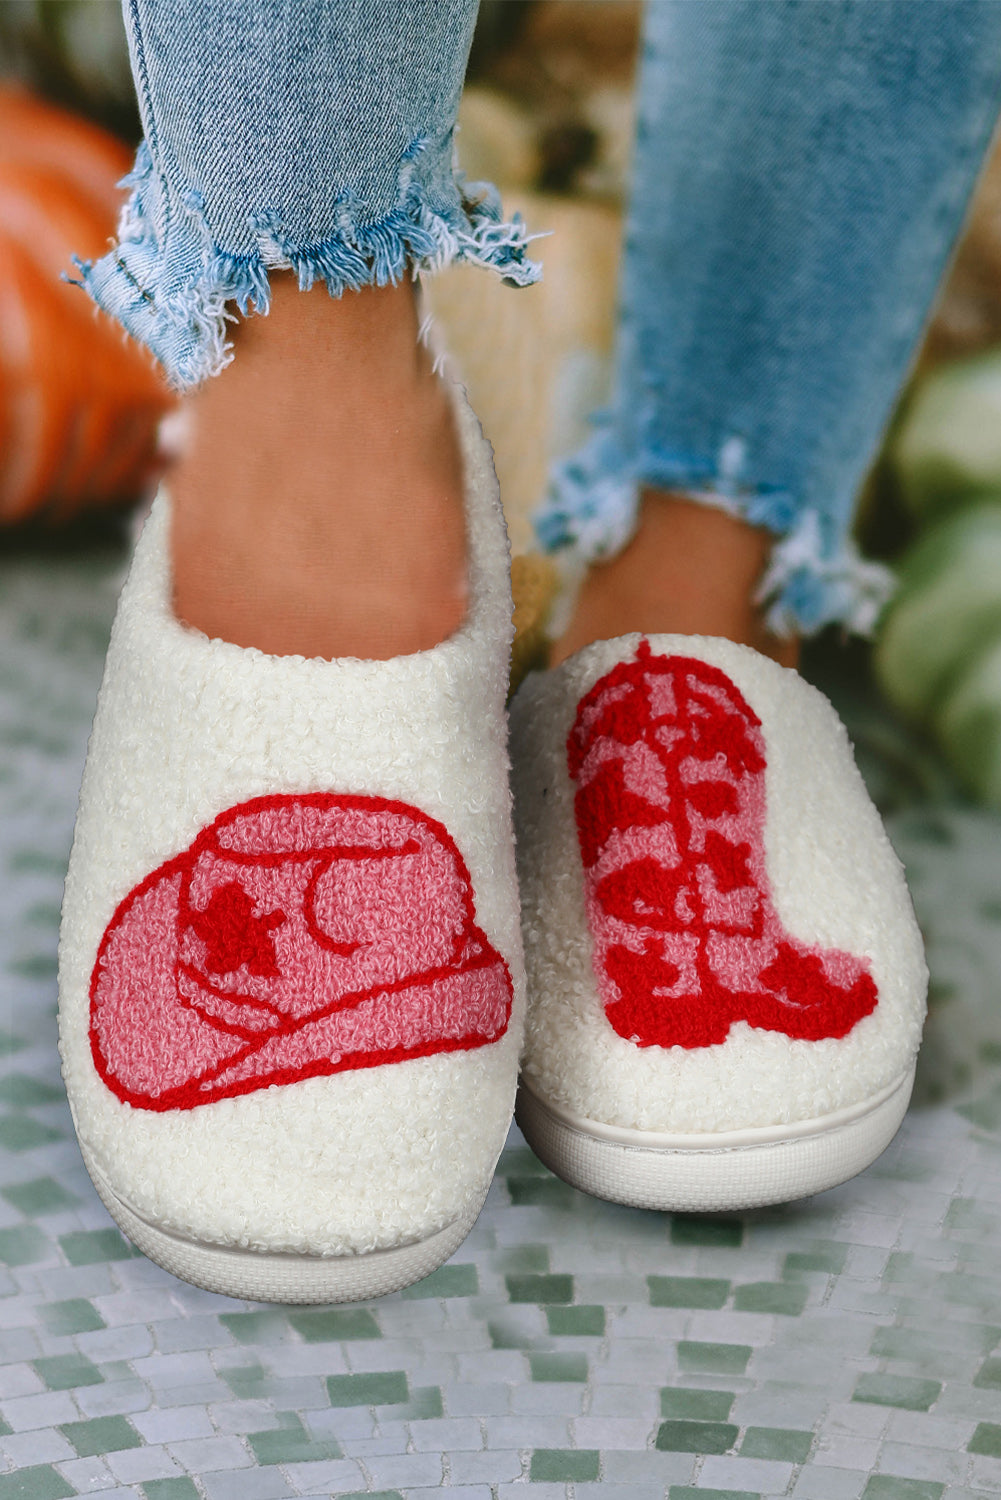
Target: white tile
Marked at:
203, 1455
405, 1470
758, 1475
87, 1474
25, 1412
254, 1484
528, 1432
173, 1424
495, 1466
452, 1433
19, 1380
135, 1465
612, 1432
829, 1484
22, 1449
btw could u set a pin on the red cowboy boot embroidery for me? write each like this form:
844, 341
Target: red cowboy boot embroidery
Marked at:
669, 762
297, 936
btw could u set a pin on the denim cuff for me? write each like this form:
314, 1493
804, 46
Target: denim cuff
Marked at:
173, 286
815, 576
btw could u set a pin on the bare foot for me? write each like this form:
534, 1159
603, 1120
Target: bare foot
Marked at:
689, 570
318, 508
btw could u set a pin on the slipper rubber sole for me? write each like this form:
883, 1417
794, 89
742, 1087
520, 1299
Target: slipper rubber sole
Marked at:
707, 1173
269, 1276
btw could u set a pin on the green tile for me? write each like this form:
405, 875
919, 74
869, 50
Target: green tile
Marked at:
687, 1291
518, 1258
905, 1391
581, 1322
20, 1090
521, 1161
921, 1346
889, 1487
828, 1256
540, 1288
35, 862
693, 1492
247, 1382
721, 1359
985, 1113
325, 1325
564, 1466
64, 1372
180, 1488
369, 1495
43, 914
75, 1315
783, 1444
291, 1444
88, 1247
787, 1298
43, 1195
505, 1333
968, 1290
101, 1435
557, 1367
447, 1281
424, 1404
986, 1440
700, 1406
265, 1327
380, 1388
41, 1482
692, 1230
35, 966
10, 1043
542, 1192
696, 1437
22, 1245
904, 1268
970, 1217
988, 1377
22, 1133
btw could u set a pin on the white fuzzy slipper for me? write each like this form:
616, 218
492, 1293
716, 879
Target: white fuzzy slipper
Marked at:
291, 984
726, 980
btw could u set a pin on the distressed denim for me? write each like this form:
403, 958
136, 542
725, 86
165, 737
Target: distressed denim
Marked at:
801, 172
312, 135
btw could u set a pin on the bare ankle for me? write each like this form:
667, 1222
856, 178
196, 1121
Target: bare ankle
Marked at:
319, 508
690, 569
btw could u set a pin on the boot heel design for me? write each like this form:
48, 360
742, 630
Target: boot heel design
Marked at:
296, 937
726, 980
669, 764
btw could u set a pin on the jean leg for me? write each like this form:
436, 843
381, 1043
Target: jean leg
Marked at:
801, 173
312, 135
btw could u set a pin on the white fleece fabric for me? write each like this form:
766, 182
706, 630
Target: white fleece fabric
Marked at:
835, 881
187, 727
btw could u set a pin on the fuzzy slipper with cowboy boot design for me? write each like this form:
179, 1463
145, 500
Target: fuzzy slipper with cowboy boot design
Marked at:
726, 980
291, 984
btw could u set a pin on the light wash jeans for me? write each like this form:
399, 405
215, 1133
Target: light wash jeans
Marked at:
801, 172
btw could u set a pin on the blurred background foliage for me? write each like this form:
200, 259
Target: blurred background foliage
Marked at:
547, 115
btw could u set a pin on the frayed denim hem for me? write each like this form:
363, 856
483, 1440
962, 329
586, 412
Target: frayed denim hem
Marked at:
175, 300
591, 509
806, 586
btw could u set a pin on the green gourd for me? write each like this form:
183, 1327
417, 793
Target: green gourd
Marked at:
946, 449
938, 655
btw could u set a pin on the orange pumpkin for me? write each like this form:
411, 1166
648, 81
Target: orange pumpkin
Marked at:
79, 402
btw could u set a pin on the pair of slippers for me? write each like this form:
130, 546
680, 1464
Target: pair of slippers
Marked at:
300, 972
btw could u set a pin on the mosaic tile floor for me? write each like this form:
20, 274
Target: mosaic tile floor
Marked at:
848, 1346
